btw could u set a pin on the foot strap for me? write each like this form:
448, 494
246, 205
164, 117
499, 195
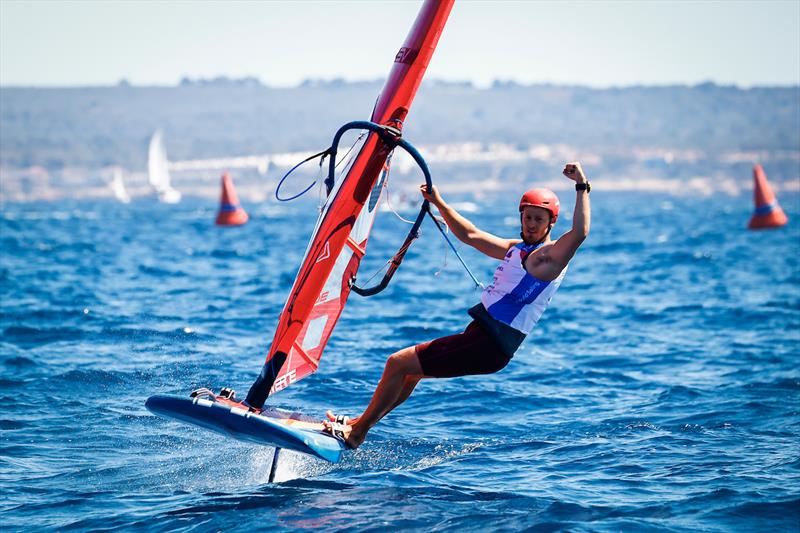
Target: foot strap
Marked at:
339, 426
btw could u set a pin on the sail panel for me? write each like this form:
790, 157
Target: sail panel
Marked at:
323, 282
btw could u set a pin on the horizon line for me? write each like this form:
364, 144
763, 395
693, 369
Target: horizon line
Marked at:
323, 82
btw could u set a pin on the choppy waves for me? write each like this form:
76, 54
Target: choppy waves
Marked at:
660, 391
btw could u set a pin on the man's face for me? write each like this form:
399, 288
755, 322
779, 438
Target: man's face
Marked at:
535, 222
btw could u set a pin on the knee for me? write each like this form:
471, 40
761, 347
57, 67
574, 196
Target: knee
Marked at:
394, 365
402, 363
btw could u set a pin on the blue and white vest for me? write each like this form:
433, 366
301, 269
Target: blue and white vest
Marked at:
515, 297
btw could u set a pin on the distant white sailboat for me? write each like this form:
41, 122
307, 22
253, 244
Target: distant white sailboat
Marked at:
158, 171
118, 187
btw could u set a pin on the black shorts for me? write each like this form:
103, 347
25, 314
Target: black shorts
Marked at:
472, 352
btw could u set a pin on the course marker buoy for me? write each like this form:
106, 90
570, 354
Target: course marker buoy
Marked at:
230, 212
768, 214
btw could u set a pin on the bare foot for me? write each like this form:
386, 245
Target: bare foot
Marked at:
346, 433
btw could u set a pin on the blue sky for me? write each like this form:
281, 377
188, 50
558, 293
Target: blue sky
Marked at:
600, 44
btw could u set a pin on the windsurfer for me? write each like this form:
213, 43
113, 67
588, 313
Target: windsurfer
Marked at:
531, 270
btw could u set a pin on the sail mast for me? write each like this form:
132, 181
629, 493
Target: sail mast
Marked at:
339, 240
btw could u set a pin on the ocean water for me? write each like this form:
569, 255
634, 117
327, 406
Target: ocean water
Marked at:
660, 391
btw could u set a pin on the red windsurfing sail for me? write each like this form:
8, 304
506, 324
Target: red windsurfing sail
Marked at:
340, 238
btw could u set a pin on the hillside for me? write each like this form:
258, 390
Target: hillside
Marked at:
99, 126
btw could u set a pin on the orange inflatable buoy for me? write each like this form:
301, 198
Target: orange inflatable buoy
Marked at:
230, 212
768, 213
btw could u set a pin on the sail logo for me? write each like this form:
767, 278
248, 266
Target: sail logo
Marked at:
406, 55
326, 253
284, 381
322, 297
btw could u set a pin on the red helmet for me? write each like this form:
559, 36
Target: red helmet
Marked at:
541, 198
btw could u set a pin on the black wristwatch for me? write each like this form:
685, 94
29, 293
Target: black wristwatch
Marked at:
583, 187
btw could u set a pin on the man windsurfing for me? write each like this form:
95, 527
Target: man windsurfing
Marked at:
530, 272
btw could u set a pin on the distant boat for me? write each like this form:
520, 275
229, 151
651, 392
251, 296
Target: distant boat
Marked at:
118, 187
158, 171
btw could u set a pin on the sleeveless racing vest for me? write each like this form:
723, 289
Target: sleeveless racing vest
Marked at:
515, 297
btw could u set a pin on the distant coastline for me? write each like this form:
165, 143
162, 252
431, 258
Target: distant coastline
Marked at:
67, 142
339, 82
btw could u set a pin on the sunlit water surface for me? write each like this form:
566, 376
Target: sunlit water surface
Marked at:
660, 391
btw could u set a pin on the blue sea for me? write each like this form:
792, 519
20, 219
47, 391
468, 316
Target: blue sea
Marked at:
660, 391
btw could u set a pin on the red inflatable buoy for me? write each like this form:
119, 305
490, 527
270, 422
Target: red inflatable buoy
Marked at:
768, 214
230, 212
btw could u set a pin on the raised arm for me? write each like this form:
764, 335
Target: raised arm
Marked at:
568, 244
466, 231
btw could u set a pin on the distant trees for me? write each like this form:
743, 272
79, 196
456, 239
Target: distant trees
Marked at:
203, 118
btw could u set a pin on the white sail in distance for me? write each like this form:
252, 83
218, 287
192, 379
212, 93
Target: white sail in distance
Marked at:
118, 187
158, 172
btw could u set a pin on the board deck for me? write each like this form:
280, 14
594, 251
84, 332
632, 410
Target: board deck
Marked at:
272, 427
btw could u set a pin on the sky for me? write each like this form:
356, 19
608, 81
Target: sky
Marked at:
597, 43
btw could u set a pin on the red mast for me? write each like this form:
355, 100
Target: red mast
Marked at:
336, 248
